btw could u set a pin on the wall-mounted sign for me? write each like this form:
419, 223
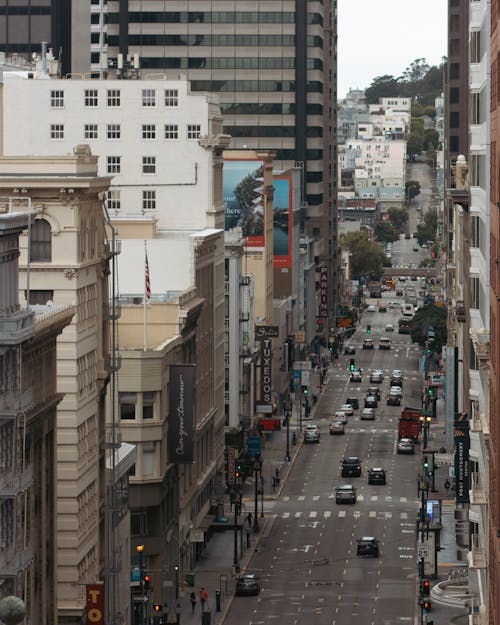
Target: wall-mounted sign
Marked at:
95, 604
266, 332
181, 414
266, 381
323, 291
462, 446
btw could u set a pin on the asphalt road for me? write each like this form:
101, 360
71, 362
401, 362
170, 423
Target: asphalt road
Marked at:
307, 561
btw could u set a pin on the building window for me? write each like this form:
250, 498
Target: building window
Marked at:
475, 108
454, 119
113, 131
114, 97
57, 99
39, 297
148, 400
127, 403
193, 131
149, 97
473, 359
171, 97
475, 225
148, 131
149, 164
90, 131
138, 524
41, 241
475, 287
171, 131
57, 131
114, 199
91, 98
148, 459
114, 164
149, 200
95, 58
475, 46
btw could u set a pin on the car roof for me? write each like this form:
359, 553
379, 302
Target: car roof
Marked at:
346, 486
367, 538
377, 469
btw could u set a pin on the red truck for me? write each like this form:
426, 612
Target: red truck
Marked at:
409, 423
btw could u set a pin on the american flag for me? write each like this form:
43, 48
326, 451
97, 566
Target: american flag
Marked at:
147, 284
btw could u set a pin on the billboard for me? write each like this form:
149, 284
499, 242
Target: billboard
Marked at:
181, 414
244, 199
282, 222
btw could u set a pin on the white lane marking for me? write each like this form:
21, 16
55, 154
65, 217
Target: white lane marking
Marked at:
301, 498
286, 515
342, 513
372, 514
327, 514
298, 515
316, 497
404, 515
313, 514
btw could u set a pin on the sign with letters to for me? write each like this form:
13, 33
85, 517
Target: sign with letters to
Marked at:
267, 332
461, 436
95, 604
323, 291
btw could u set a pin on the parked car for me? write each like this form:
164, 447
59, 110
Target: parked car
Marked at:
367, 414
376, 476
351, 467
347, 408
406, 446
247, 584
371, 309
382, 309
368, 546
337, 427
311, 433
345, 493
389, 327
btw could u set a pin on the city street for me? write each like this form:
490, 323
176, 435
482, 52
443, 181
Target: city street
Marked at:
307, 559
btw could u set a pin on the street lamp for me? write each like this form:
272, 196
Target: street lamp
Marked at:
257, 466
139, 550
287, 421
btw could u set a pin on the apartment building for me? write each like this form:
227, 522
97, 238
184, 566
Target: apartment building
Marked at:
28, 404
68, 261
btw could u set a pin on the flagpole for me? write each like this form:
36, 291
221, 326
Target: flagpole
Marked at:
146, 269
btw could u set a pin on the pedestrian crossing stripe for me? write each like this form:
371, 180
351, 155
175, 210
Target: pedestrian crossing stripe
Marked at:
326, 514
361, 497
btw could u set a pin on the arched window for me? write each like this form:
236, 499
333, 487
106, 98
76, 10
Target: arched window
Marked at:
41, 243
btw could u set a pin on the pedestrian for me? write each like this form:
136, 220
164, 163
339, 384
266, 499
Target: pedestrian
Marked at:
249, 519
447, 485
193, 601
203, 598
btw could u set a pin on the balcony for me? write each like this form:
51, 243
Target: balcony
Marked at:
476, 557
476, 424
477, 492
460, 311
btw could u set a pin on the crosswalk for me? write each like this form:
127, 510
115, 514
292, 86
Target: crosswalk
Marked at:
340, 514
361, 497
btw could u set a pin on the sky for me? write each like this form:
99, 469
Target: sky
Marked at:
377, 37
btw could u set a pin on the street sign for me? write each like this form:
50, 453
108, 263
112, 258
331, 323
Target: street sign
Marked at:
267, 332
426, 413
344, 322
299, 336
253, 445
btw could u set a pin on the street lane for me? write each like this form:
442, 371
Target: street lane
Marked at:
307, 560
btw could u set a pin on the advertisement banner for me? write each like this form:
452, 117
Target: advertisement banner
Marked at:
95, 604
462, 446
244, 199
266, 359
282, 222
181, 414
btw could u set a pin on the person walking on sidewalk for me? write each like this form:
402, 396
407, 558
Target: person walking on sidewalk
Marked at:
249, 519
203, 598
193, 601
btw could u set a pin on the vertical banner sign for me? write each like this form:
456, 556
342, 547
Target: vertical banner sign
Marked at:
323, 292
230, 465
282, 222
180, 417
462, 446
266, 357
94, 604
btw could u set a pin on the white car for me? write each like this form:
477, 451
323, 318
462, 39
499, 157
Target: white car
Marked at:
347, 408
389, 327
371, 308
341, 416
367, 414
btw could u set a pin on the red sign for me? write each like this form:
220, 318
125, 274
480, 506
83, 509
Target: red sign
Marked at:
95, 604
269, 425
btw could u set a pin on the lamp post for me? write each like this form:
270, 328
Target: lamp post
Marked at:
139, 550
287, 421
256, 497
237, 508
261, 493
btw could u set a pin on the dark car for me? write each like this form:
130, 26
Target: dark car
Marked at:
374, 391
382, 309
367, 546
247, 584
354, 401
399, 293
355, 377
351, 467
345, 494
376, 476
396, 381
394, 399
371, 401
349, 350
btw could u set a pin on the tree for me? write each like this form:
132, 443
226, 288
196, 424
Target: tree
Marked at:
414, 146
417, 126
426, 231
398, 217
412, 189
417, 110
416, 71
430, 111
385, 231
429, 320
381, 87
431, 138
367, 258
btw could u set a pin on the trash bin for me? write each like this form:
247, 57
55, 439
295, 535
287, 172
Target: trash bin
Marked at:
205, 618
189, 579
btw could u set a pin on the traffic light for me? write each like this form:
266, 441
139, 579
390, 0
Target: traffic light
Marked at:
425, 588
426, 605
352, 364
238, 470
147, 581
426, 462
157, 608
431, 391
369, 328
305, 390
331, 342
